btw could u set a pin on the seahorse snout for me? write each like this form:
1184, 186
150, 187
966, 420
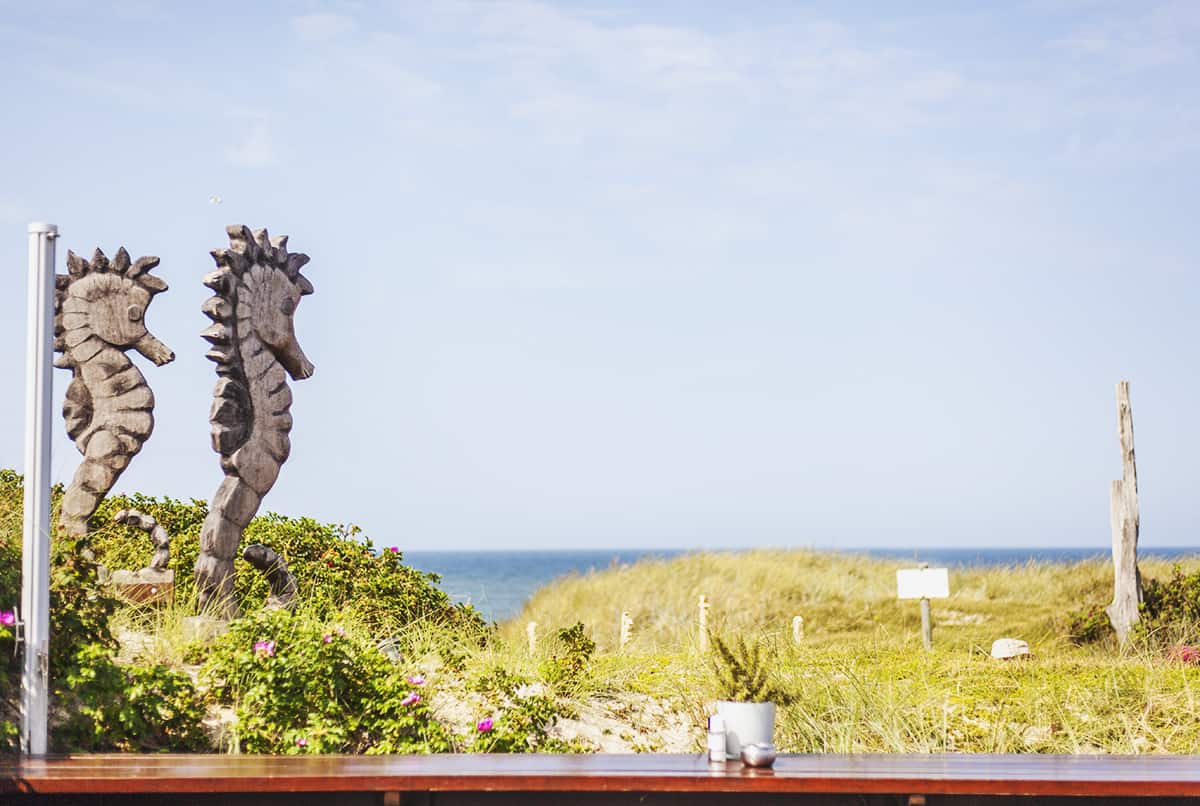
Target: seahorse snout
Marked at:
154, 349
295, 361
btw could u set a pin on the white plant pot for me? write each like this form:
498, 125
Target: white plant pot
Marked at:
746, 723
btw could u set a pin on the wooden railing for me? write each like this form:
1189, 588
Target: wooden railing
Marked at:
596, 779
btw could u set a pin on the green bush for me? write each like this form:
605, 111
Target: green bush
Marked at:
335, 568
514, 717
1168, 614
1170, 610
1089, 625
568, 662
302, 686
96, 704
10, 596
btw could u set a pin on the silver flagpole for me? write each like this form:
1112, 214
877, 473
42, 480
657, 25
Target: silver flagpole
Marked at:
35, 556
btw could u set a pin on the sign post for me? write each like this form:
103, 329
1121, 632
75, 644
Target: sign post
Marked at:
923, 583
35, 547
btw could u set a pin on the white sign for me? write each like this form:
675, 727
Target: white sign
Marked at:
923, 583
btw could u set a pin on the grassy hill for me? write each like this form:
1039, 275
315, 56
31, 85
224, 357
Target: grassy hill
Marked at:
377, 660
861, 677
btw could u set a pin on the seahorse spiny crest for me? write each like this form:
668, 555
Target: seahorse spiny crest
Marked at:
257, 286
102, 301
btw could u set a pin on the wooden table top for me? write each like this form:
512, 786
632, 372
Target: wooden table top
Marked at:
864, 774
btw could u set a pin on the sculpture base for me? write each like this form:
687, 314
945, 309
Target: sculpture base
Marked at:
146, 586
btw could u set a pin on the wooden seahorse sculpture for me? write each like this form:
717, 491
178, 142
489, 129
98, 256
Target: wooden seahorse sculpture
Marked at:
99, 313
256, 288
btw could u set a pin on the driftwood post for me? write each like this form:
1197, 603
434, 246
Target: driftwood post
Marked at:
1123, 509
626, 628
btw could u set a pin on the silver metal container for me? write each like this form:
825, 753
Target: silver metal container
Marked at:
758, 755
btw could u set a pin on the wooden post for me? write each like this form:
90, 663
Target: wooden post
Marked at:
531, 634
797, 630
926, 625
626, 627
702, 619
1123, 510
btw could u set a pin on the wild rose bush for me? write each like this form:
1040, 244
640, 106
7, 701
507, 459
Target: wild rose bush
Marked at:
300, 685
314, 682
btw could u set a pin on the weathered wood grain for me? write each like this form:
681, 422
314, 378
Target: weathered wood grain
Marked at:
1123, 505
931, 774
99, 314
257, 287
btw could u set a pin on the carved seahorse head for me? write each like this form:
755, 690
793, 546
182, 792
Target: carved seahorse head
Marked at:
257, 287
98, 304
104, 301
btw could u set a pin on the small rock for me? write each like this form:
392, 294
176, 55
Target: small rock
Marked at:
1009, 648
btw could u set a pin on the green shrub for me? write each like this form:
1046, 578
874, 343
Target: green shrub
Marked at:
1168, 614
335, 568
299, 685
569, 658
743, 672
96, 704
521, 724
1171, 605
1089, 625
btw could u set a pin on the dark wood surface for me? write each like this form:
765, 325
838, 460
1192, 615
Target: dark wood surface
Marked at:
1161, 776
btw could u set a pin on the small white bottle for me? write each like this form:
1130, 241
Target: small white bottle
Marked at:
716, 739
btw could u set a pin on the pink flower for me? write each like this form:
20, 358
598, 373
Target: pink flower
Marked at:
338, 629
264, 649
412, 699
485, 725
1185, 654
394, 549
327, 638
7, 618
416, 679
302, 742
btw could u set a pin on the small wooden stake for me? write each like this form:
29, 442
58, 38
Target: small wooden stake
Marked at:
797, 630
531, 634
926, 625
626, 627
1123, 510
702, 619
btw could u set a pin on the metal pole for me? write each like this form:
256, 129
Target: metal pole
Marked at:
926, 625
35, 555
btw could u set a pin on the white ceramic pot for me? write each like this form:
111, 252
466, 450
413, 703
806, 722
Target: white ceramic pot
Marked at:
746, 723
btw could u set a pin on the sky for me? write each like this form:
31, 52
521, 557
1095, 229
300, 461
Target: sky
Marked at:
653, 274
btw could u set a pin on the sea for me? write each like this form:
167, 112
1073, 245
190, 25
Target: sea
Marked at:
498, 583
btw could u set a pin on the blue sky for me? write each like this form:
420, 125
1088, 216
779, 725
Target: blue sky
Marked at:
651, 274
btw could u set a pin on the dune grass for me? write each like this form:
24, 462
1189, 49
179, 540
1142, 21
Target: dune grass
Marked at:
862, 680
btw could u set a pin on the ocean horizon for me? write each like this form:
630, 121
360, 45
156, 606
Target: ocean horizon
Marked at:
498, 582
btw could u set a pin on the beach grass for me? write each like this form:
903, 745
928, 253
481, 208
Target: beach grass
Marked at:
861, 678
